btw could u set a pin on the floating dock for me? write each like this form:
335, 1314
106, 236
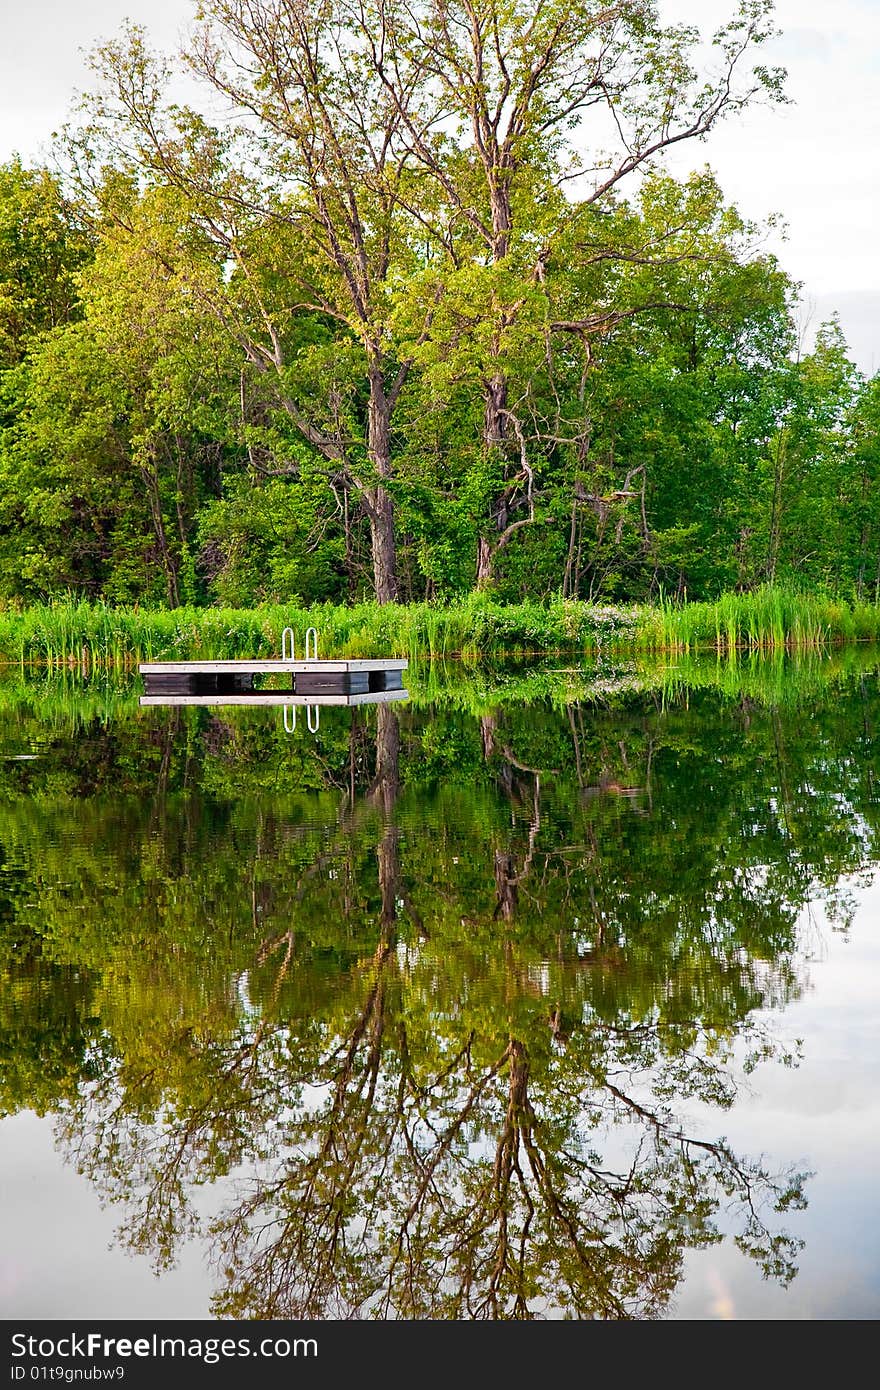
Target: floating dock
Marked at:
342, 681
270, 665
309, 678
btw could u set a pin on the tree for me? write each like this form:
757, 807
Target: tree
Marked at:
865, 426
681, 398
43, 246
386, 142
814, 490
121, 421
316, 166
534, 95
640, 435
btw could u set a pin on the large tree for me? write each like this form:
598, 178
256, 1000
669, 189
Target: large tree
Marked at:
308, 177
413, 154
538, 98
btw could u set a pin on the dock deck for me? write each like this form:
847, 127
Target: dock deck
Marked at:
273, 666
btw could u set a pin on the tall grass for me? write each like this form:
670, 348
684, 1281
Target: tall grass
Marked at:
94, 635
766, 620
75, 634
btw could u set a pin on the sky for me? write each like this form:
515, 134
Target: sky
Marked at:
813, 163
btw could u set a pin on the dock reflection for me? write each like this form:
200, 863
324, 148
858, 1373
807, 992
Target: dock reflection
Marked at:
271, 697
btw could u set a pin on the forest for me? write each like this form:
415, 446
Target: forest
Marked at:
409, 310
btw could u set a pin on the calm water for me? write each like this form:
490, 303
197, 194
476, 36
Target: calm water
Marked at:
539, 994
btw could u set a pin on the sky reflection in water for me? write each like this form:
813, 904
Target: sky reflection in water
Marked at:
482, 1005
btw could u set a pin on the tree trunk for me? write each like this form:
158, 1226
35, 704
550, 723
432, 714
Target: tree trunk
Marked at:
380, 506
485, 562
569, 582
384, 545
495, 426
168, 565
494, 431
495, 387
775, 537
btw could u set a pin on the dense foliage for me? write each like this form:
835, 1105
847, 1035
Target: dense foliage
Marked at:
363, 344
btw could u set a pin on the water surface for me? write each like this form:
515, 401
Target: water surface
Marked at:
540, 994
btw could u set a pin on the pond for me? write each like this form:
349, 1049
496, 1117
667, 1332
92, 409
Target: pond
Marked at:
541, 993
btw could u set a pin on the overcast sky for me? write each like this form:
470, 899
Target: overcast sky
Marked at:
814, 162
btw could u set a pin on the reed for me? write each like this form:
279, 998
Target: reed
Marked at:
82, 635
768, 619
79, 635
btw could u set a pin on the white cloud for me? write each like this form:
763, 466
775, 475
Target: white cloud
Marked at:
42, 59
813, 162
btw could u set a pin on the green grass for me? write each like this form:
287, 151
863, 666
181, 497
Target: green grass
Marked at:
89, 635
766, 620
94, 636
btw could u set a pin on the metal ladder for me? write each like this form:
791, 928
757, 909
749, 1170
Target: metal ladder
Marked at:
288, 649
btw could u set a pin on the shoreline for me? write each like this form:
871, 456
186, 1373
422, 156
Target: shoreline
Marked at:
86, 635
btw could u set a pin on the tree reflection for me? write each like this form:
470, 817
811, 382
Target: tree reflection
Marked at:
395, 1170
432, 1143
429, 1000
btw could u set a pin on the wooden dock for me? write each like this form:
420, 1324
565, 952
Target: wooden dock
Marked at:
309, 678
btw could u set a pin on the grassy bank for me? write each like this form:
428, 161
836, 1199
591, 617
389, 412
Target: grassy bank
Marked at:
95, 635
769, 619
